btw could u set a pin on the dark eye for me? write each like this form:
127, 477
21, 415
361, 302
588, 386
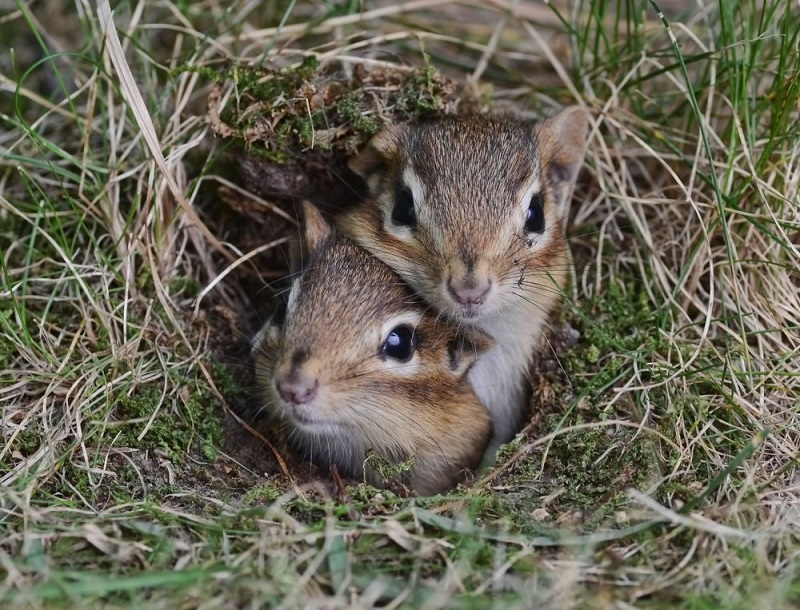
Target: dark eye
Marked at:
403, 212
279, 313
399, 344
534, 217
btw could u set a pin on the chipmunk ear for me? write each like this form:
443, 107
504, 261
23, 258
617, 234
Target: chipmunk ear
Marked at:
316, 228
371, 162
562, 142
465, 349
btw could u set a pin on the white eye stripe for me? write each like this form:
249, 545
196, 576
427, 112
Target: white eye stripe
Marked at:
414, 185
515, 224
412, 181
536, 187
291, 300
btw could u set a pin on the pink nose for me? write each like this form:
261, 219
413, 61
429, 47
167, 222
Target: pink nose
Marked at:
298, 391
469, 292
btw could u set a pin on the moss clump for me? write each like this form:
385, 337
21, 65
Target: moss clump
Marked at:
579, 481
594, 468
29, 439
193, 419
352, 110
388, 470
290, 133
279, 114
580, 476
262, 495
293, 130
366, 496
422, 93
616, 329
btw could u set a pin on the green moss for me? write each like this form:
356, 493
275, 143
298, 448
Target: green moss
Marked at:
583, 473
212, 75
594, 469
617, 328
178, 426
29, 439
388, 469
227, 385
307, 511
60, 489
162, 433
284, 115
355, 111
422, 93
275, 93
308, 68
274, 155
300, 132
262, 495
365, 495
251, 81
587, 472
509, 449
204, 420
185, 285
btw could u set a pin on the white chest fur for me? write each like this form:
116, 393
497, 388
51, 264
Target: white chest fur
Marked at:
500, 377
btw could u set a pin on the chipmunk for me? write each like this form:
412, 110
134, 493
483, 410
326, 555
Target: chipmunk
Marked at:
471, 212
353, 362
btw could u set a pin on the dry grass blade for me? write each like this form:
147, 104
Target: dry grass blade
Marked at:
145, 123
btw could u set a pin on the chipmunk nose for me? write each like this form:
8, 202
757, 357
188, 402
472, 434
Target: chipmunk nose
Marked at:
297, 390
469, 291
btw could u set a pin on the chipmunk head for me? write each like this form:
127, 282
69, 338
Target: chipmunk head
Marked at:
471, 210
353, 359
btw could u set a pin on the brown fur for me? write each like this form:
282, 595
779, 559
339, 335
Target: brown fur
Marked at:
333, 332
471, 178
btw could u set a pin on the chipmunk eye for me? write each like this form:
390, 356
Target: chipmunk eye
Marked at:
403, 212
534, 217
399, 344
